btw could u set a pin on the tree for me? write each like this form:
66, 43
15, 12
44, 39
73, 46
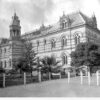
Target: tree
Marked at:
2, 70
28, 59
50, 64
86, 54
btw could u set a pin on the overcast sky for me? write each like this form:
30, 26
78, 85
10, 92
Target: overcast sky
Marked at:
32, 13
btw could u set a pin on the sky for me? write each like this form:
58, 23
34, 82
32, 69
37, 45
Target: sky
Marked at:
32, 13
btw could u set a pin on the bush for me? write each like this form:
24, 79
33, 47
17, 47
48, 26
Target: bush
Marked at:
2, 70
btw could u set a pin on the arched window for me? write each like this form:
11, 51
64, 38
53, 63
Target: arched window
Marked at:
1, 64
64, 59
53, 43
77, 40
63, 41
10, 62
5, 63
5, 50
0, 50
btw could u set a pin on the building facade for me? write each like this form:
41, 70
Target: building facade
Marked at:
11, 48
57, 40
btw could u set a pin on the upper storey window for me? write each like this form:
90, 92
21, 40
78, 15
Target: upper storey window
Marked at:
0, 50
63, 41
53, 43
5, 50
44, 42
38, 43
77, 40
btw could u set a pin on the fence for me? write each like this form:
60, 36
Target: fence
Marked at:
26, 78
97, 76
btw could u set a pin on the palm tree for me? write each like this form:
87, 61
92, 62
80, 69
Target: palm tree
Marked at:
49, 64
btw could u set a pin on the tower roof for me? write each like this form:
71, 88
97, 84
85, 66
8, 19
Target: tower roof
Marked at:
15, 20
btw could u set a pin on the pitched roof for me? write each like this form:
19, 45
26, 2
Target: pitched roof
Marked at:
76, 19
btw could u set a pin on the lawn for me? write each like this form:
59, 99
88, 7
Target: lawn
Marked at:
54, 88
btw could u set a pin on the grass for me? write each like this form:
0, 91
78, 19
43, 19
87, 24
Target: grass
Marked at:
54, 88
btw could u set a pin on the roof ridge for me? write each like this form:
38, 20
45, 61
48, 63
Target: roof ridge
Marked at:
85, 17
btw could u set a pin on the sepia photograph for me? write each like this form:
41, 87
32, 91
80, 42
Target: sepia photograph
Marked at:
49, 48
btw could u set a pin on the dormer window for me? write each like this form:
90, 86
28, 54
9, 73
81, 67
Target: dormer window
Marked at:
65, 21
64, 24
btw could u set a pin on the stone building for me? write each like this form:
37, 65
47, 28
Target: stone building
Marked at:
11, 48
57, 40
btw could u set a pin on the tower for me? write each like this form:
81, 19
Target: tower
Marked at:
94, 21
15, 28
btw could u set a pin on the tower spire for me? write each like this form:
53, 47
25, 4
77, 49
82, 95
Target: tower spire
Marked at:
94, 20
63, 13
15, 28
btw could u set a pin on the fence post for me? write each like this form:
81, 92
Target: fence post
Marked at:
68, 76
97, 74
4, 80
81, 76
89, 78
24, 78
60, 75
39, 75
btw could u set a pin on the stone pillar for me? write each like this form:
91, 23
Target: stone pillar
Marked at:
49, 75
81, 76
89, 78
68, 76
39, 76
97, 75
60, 75
24, 78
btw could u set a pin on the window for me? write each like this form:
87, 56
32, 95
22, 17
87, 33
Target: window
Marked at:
64, 24
1, 64
5, 64
77, 40
4, 50
37, 43
53, 44
1, 51
63, 41
64, 59
10, 62
44, 42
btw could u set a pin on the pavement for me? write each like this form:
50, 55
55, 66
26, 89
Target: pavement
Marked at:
54, 88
